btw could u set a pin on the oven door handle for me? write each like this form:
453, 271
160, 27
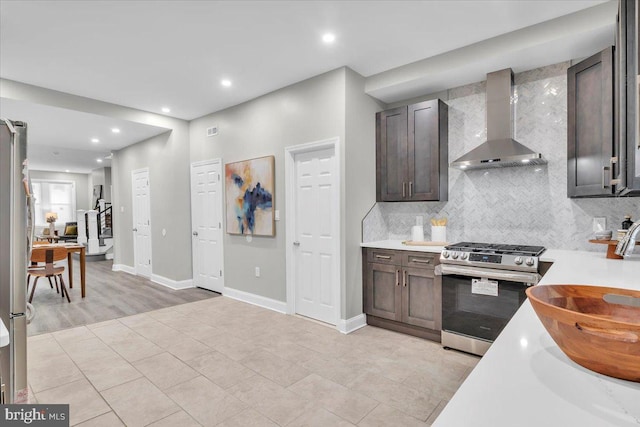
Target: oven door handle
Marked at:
489, 273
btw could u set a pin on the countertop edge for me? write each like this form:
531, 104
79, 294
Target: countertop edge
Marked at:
397, 245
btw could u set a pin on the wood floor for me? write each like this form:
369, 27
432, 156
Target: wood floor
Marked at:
109, 295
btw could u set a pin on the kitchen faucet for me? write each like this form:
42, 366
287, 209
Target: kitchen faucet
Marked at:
626, 245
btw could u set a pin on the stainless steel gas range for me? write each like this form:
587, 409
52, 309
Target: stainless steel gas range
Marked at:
483, 285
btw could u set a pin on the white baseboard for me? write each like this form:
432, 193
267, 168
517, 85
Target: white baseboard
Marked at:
156, 278
108, 255
271, 304
170, 283
125, 268
353, 324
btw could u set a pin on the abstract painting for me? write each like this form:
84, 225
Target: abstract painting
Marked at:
249, 188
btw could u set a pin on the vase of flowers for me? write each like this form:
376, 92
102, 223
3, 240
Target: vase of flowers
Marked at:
51, 218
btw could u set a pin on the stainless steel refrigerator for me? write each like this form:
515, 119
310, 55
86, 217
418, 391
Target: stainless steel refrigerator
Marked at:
15, 237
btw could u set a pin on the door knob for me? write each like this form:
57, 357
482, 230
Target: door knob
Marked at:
135, 229
195, 233
296, 243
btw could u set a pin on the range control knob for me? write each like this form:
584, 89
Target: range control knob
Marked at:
454, 255
464, 255
518, 260
445, 254
529, 262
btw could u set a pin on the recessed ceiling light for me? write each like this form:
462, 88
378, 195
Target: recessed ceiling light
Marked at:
95, 140
525, 160
166, 109
329, 38
67, 170
115, 130
226, 83
99, 160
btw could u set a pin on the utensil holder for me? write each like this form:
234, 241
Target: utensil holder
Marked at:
438, 233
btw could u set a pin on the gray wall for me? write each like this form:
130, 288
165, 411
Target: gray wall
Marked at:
311, 110
359, 181
167, 158
81, 181
513, 205
100, 176
107, 185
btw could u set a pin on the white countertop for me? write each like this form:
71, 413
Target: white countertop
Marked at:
526, 380
398, 246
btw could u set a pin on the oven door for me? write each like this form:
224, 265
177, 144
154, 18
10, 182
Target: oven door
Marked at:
478, 302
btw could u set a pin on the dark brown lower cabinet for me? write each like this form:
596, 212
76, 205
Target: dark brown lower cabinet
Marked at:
384, 294
419, 298
400, 292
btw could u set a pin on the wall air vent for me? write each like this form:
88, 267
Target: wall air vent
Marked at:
212, 131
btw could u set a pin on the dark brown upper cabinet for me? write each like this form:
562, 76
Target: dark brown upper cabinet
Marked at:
591, 126
603, 120
412, 153
628, 147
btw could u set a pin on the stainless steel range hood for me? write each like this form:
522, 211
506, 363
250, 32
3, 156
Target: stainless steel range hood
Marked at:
500, 149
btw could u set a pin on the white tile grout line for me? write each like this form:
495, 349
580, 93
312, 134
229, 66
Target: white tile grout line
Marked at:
89, 381
59, 343
117, 385
173, 413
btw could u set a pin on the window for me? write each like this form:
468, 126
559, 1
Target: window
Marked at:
54, 196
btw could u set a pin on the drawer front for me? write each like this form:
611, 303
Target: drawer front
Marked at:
419, 259
383, 256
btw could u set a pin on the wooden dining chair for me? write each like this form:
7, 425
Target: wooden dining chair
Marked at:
49, 270
33, 263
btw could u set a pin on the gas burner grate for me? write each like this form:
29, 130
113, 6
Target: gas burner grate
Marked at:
497, 248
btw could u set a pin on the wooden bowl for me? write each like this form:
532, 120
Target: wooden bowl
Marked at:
597, 327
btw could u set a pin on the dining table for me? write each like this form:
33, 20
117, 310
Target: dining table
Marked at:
71, 248
48, 237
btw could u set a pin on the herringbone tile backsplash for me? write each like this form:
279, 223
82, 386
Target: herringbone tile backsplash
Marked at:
519, 205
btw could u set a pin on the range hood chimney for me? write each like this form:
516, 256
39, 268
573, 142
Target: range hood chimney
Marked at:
500, 149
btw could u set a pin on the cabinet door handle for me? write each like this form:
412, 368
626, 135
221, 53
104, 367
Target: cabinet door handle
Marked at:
397, 277
404, 189
404, 278
604, 172
410, 188
421, 261
383, 256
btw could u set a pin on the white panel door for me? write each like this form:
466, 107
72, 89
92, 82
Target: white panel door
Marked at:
316, 214
142, 222
206, 224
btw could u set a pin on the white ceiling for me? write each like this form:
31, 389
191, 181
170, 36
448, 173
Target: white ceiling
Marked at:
149, 54
68, 133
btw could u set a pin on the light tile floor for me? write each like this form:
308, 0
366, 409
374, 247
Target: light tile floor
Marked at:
226, 363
